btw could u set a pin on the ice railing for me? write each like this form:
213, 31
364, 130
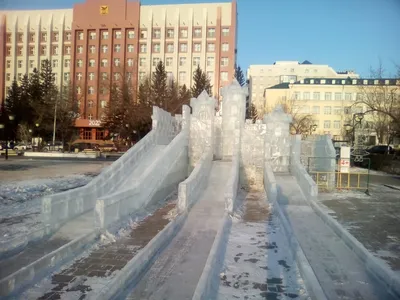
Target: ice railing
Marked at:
59, 208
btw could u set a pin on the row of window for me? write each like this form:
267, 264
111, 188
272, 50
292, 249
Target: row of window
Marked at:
117, 34
170, 48
87, 133
326, 96
328, 110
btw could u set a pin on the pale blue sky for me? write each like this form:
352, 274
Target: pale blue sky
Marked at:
346, 34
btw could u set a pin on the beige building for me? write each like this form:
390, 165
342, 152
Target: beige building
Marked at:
264, 76
329, 102
95, 41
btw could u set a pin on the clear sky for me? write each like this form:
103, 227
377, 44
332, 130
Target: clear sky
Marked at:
345, 34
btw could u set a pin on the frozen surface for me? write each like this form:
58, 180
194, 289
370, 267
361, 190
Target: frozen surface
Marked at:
176, 272
258, 264
341, 274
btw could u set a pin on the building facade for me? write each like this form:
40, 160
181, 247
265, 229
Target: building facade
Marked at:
99, 42
261, 77
331, 102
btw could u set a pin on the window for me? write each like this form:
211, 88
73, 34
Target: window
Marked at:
225, 47
116, 76
143, 34
225, 31
8, 63
92, 35
92, 49
78, 76
117, 48
183, 47
156, 48
347, 96
156, 60
20, 37
80, 36
196, 61
91, 76
91, 62
117, 62
315, 110
68, 36
103, 104
337, 110
142, 62
130, 62
210, 61
87, 134
31, 50
224, 76
104, 35
43, 37
328, 96
78, 90
67, 50
316, 96
104, 76
55, 50
19, 50
130, 48
31, 37
103, 91
8, 51
143, 48
117, 34
211, 32
142, 75
182, 61
327, 110
327, 124
197, 33
182, 76
31, 64
104, 48
79, 49
210, 75
8, 77
67, 63
55, 63
347, 110
156, 33
90, 92
66, 76
336, 124
43, 50
210, 47
20, 64
168, 61
306, 96
296, 95
170, 33
170, 48
224, 62
19, 76
197, 47
338, 96
8, 37
183, 33
131, 34
360, 96
56, 36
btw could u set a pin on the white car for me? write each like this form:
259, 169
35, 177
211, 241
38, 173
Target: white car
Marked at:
21, 147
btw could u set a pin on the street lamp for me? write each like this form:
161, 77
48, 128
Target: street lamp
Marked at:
3, 126
357, 118
313, 128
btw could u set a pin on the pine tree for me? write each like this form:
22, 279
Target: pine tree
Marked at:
144, 93
13, 107
184, 95
239, 75
174, 103
49, 97
201, 83
159, 86
27, 117
67, 113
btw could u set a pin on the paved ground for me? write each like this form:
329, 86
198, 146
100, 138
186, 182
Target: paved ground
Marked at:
372, 220
176, 272
341, 274
24, 169
257, 263
88, 275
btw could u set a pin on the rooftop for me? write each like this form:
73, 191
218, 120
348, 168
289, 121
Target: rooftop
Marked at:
338, 81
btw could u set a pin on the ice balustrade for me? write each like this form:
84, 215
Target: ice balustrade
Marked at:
59, 208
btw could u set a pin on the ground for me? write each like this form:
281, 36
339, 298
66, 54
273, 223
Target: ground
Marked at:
373, 220
23, 182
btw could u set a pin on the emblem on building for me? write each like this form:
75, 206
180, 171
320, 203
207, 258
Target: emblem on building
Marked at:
103, 9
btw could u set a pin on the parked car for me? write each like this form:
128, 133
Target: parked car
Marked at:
108, 147
58, 146
22, 147
80, 146
381, 149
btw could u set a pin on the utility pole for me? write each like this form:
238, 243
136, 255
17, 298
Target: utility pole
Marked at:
55, 123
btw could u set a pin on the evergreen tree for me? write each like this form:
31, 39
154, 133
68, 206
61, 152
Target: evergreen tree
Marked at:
159, 86
67, 113
184, 95
201, 83
144, 93
13, 107
239, 75
28, 115
174, 103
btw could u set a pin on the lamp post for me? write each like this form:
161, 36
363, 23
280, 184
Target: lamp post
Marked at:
4, 127
313, 128
38, 138
357, 118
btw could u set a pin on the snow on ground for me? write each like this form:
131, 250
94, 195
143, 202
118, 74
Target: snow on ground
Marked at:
258, 264
363, 170
20, 202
